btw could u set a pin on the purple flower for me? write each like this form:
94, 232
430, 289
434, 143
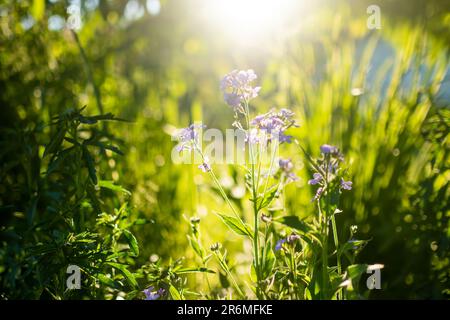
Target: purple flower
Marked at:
286, 113
236, 87
284, 138
286, 167
292, 237
232, 99
327, 149
318, 194
258, 119
269, 122
317, 177
252, 137
150, 294
289, 239
333, 168
188, 136
161, 291
346, 185
279, 244
274, 124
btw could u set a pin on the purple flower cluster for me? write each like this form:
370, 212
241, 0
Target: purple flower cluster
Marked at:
188, 137
286, 166
289, 240
274, 124
279, 244
151, 294
317, 178
238, 90
346, 185
327, 149
236, 87
253, 136
328, 171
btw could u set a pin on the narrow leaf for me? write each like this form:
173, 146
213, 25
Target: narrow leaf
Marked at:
195, 270
132, 242
235, 225
108, 184
127, 274
55, 142
90, 165
174, 293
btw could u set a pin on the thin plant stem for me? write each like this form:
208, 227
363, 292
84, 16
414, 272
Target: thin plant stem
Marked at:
224, 195
336, 243
324, 229
218, 185
272, 158
255, 204
225, 267
294, 271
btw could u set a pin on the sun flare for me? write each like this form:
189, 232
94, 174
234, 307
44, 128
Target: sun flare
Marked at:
248, 20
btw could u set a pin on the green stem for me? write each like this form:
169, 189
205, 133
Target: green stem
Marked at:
255, 205
227, 200
219, 186
324, 231
225, 267
294, 271
338, 256
272, 158
224, 195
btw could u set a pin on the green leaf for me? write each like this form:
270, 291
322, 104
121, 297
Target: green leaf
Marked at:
57, 161
224, 282
108, 184
355, 245
101, 117
107, 281
269, 198
236, 225
313, 163
132, 242
55, 142
195, 270
268, 258
194, 244
90, 165
101, 145
87, 120
31, 212
127, 274
295, 223
174, 293
140, 221
356, 270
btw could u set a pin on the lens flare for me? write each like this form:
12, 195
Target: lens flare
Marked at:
250, 20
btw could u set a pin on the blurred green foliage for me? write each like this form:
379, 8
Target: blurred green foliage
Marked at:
382, 96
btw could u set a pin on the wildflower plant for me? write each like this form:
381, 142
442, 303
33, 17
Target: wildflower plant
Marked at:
291, 258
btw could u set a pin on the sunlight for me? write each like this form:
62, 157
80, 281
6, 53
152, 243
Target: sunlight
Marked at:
248, 20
